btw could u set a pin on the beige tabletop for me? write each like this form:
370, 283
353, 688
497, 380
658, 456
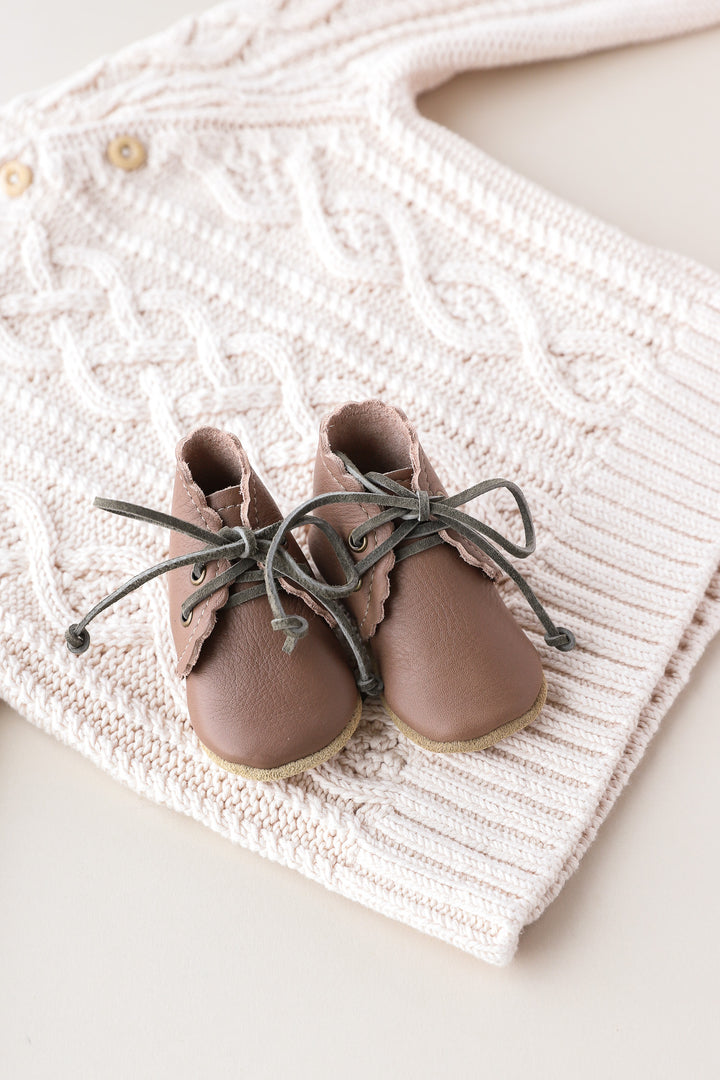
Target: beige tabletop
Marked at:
136, 943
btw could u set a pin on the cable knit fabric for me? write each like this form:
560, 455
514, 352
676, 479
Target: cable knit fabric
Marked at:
296, 235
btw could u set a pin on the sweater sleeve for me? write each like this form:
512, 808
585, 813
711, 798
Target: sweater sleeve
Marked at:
258, 55
422, 43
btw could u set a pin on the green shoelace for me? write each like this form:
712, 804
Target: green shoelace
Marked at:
248, 551
417, 518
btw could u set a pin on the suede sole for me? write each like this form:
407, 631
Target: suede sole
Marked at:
464, 746
292, 768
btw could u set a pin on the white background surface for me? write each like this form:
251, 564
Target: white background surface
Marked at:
136, 943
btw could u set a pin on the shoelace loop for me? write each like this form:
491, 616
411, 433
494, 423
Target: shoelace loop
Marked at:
246, 535
423, 506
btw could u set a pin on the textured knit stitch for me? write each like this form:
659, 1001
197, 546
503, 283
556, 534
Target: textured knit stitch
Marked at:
299, 235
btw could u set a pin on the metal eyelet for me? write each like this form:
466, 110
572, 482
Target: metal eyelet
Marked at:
359, 585
197, 579
186, 620
357, 545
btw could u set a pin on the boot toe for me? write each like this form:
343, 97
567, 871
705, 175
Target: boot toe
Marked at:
265, 714
470, 678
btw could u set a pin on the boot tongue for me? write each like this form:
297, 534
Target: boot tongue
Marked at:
402, 476
227, 503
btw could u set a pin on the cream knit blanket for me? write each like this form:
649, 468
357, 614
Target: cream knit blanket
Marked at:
299, 235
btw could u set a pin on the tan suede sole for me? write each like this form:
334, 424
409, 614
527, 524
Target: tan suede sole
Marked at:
464, 746
282, 772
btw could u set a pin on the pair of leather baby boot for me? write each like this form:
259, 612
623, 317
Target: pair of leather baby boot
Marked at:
401, 601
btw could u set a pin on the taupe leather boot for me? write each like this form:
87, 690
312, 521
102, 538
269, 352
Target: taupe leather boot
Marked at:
458, 672
257, 710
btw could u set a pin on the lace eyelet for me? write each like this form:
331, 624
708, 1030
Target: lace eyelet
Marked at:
186, 620
197, 579
359, 585
357, 545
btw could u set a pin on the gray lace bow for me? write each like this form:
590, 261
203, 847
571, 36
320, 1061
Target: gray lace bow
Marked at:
248, 551
418, 518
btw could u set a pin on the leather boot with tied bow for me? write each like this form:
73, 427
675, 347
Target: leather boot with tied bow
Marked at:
257, 711
417, 574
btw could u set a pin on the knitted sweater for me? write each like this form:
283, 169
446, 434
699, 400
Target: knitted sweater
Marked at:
295, 235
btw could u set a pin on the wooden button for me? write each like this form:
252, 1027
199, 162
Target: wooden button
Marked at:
126, 152
15, 177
